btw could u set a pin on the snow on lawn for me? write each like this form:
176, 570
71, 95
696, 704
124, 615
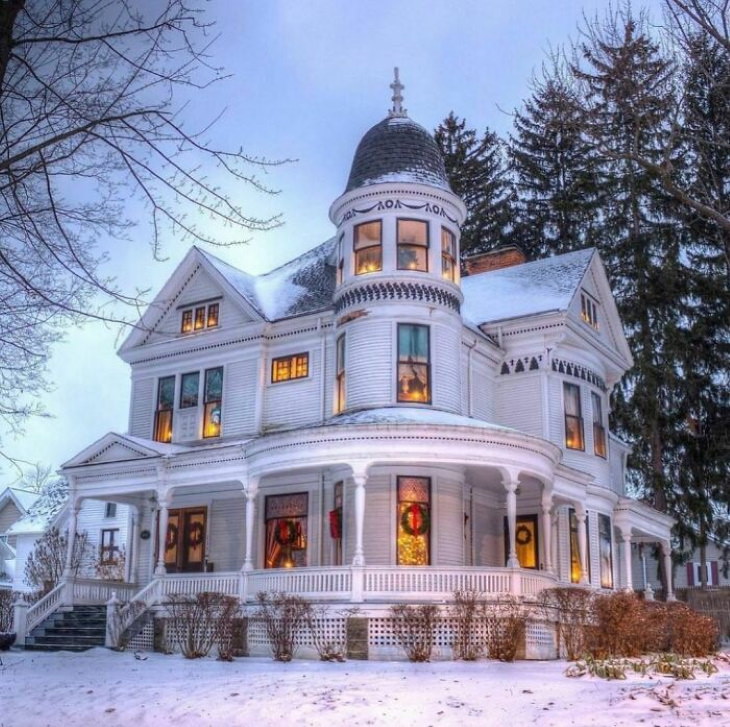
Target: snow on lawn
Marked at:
101, 687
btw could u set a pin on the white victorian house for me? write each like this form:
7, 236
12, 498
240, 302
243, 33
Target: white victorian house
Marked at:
363, 425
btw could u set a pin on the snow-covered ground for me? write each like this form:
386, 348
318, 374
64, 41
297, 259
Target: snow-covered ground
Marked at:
101, 687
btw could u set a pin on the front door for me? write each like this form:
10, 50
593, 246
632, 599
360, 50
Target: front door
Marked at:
525, 541
185, 541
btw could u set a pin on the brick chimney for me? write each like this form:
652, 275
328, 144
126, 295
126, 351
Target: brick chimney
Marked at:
501, 257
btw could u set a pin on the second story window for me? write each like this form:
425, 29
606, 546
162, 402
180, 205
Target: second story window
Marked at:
213, 401
412, 237
573, 417
368, 247
448, 254
286, 368
589, 310
340, 375
163, 413
414, 382
599, 431
189, 385
198, 317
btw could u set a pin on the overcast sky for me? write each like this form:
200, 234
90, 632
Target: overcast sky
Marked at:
308, 79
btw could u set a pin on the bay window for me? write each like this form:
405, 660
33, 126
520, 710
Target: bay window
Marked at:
368, 247
599, 431
413, 382
412, 240
573, 416
163, 413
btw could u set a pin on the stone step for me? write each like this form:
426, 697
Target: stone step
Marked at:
77, 629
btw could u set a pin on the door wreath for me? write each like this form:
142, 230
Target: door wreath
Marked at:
285, 532
415, 519
171, 540
195, 536
523, 536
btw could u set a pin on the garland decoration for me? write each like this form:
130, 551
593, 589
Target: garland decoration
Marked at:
415, 519
171, 540
195, 537
523, 536
285, 532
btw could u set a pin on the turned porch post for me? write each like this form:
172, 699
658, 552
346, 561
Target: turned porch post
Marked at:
580, 519
666, 549
359, 478
626, 547
73, 518
250, 490
163, 514
511, 483
547, 529
133, 557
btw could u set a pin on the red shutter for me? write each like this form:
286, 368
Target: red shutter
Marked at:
690, 574
715, 573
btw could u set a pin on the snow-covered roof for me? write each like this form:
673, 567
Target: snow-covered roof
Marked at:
397, 150
523, 290
22, 498
44, 510
407, 415
303, 285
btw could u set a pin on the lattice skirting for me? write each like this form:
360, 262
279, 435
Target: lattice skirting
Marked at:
144, 640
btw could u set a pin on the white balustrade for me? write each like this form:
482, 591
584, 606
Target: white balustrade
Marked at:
93, 591
44, 607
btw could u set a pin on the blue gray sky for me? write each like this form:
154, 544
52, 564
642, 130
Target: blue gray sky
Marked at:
307, 79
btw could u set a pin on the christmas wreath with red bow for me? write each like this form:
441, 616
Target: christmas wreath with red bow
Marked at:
415, 519
195, 536
285, 532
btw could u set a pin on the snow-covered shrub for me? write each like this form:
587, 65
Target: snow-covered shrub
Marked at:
284, 617
415, 628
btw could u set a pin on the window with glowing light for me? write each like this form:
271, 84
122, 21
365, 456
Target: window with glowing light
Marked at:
163, 412
286, 368
526, 542
340, 375
605, 550
414, 367
599, 431
368, 247
573, 417
412, 240
213, 402
575, 550
413, 533
589, 310
198, 317
448, 254
286, 530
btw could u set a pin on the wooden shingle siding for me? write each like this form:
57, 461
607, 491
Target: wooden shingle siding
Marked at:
141, 409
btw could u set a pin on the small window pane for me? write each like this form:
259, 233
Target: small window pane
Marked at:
412, 232
214, 384
368, 234
166, 392
199, 318
412, 236
189, 390
368, 248
187, 321
212, 315
286, 368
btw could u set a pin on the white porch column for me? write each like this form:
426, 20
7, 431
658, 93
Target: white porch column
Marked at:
133, 557
547, 528
666, 549
250, 490
162, 517
580, 518
511, 483
359, 478
73, 517
626, 548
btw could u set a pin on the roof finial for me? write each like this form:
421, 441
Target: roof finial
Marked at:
397, 87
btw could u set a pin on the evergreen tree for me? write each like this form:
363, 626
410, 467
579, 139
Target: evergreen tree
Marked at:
553, 165
477, 172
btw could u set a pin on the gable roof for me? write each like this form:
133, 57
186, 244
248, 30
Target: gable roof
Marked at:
302, 285
44, 511
23, 499
541, 286
114, 447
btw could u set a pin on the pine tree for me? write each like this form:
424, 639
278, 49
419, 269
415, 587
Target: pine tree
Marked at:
477, 172
553, 165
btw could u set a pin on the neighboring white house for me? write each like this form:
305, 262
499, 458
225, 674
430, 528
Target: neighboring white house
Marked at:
362, 425
14, 504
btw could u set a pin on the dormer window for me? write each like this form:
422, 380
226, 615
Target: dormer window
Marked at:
412, 238
198, 317
589, 310
448, 254
368, 247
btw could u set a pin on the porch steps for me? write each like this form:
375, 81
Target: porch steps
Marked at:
79, 629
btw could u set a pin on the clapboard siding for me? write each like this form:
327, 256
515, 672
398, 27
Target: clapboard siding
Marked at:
370, 363
142, 407
9, 513
226, 528
239, 397
445, 350
519, 402
449, 514
91, 521
482, 383
379, 528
